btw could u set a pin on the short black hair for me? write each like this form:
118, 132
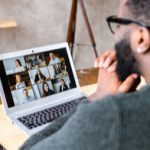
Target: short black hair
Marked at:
140, 9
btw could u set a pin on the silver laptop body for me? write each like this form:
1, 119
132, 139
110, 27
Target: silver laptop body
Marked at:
35, 79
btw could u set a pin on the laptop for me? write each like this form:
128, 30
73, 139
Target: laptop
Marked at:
38, 85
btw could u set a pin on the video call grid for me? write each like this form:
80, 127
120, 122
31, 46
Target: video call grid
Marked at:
39, 62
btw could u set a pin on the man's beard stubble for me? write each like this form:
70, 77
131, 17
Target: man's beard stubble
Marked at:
126, 62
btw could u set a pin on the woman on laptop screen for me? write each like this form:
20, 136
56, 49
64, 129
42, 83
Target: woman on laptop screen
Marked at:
19, 66
46, 90
39, 76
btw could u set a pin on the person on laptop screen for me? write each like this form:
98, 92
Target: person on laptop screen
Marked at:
27, 97
116, 117
38, 62
46, 90
54, 59
19, 66
39, 76
63, 86
19, 82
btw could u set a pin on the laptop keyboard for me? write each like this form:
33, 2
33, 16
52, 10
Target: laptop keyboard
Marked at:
47, 115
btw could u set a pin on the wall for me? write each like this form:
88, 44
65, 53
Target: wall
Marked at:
45, 22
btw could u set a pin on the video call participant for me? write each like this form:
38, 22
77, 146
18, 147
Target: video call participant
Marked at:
27, 97
63, 86
19, 82
46, 90
19, 66
29, 63
39, 76
54, 59
57, 68
37, 61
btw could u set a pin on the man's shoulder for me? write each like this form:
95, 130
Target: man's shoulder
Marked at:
97, 110
134, 100
113, 104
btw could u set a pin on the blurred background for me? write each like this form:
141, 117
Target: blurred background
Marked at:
45, 22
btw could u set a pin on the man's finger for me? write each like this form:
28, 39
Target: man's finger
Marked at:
110, 59
106, 59
103, 58
112, 68
128, 83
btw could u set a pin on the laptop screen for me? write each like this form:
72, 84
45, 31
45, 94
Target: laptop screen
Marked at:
28, 78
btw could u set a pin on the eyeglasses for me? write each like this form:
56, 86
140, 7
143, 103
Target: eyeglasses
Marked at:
114, 23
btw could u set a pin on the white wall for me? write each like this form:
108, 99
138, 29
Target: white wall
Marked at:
45, 22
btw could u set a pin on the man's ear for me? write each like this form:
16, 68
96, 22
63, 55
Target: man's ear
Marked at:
140, 40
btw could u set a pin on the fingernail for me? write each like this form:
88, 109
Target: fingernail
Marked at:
100, 64
106, 64
111, 69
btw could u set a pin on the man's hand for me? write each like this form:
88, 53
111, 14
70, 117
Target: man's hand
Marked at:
108, 81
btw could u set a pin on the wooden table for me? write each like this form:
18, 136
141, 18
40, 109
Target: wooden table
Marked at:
87, 76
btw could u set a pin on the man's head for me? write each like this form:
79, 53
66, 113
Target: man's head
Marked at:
62, 82
25, 92
133, 38
18, 78
52, 55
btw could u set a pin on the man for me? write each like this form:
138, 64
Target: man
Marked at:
63, 86
53, 59
38, 61
111, 121
56, 62
27, 97
19, 82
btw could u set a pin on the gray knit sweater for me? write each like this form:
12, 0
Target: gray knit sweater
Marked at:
120, 122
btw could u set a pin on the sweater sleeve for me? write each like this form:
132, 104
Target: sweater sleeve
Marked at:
93, 126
